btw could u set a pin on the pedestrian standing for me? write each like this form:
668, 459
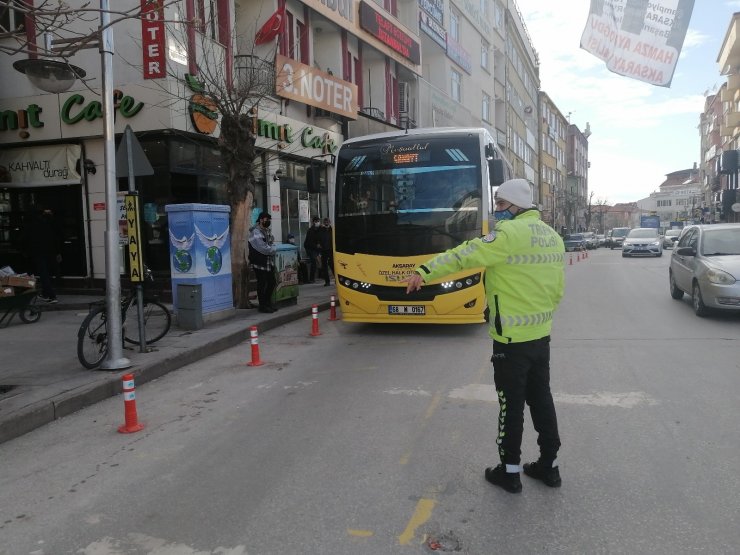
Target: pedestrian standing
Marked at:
45, 245
312, 244
327, 250
524, 280
262, 250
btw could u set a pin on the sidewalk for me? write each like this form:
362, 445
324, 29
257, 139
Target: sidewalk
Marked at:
42, 380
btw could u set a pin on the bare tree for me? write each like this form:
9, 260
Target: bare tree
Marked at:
231, 101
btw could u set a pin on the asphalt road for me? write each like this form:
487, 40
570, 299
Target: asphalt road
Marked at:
373, 439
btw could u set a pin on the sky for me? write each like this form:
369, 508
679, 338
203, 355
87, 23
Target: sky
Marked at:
640, 132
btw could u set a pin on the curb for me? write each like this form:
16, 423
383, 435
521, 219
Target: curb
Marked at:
40, 413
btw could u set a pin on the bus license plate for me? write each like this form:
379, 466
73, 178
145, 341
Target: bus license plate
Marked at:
406, 309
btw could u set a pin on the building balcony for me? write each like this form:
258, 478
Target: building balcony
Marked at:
373, 112
732, 119
729, 54
728, 94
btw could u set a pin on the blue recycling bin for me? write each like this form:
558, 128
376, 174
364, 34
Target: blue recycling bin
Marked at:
200, 253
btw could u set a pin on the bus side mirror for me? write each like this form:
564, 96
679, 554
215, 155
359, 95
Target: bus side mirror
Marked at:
496, 171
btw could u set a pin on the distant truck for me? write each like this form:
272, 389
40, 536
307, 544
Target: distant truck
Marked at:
616, 237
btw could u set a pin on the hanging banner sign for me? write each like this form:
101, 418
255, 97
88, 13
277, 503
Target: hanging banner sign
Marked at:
40, 166
152, 39
641, 40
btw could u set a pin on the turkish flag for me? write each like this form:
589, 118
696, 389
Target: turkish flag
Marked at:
271, 28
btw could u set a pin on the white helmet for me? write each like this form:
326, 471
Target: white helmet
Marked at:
517, 192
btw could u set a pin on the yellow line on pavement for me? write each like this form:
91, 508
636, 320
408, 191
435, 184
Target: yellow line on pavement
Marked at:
359, 533
422, 513
427, 415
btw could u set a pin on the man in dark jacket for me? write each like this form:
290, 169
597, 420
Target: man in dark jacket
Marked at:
262, 250
45, 245
312, 244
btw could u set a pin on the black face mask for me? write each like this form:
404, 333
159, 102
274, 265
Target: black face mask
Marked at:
266, 223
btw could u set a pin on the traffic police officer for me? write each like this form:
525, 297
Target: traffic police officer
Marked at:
524, 280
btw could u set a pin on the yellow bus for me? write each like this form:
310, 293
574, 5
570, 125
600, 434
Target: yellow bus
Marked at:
399, 199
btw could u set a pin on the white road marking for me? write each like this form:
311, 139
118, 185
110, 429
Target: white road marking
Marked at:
409, 392
628, 400
153, 546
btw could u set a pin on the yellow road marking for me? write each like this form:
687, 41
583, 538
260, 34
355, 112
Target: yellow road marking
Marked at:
427, 415
422, 513
359, 533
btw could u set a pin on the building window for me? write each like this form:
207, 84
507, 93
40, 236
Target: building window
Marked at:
484, 47
486, 108
455, 85
498, 16
11, 19
454, 29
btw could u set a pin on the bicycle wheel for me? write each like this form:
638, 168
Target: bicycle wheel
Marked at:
92, 339
31, 312
157, 322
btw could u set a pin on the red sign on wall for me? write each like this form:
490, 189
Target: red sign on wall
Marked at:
389, 33
153, 39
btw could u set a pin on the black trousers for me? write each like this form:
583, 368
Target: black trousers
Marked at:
521, 372
265, 286
46, 265
327, 261
312, 263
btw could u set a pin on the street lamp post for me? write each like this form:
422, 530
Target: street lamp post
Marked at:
115, 358
60, 77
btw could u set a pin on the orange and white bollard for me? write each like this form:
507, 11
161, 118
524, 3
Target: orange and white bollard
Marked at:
315, 321
255, 347
571, 261
333, 309
129, 406
578, 257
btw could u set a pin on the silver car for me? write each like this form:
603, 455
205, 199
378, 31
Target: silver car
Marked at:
642, 241
706, 265
670, 238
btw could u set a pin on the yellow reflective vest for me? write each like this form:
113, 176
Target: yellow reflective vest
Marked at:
524, 260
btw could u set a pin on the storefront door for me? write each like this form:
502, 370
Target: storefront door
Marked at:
65, 201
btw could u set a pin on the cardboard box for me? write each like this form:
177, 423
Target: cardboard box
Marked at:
29, 282
6, 291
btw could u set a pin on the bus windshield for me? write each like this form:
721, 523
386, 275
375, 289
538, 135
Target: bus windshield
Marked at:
406, 196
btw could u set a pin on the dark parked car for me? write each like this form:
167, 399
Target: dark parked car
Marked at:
706, 265
574, 242
616, 237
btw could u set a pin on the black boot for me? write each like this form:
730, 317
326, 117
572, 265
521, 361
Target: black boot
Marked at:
547, 474
508, 480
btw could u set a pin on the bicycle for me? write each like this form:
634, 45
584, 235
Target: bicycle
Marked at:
92, 337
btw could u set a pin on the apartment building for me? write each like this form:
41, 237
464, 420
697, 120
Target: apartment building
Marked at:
553, 169
678, 201
729, 128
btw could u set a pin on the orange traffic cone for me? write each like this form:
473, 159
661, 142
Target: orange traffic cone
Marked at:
129, 406
333, 309
255, 347
315, 321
